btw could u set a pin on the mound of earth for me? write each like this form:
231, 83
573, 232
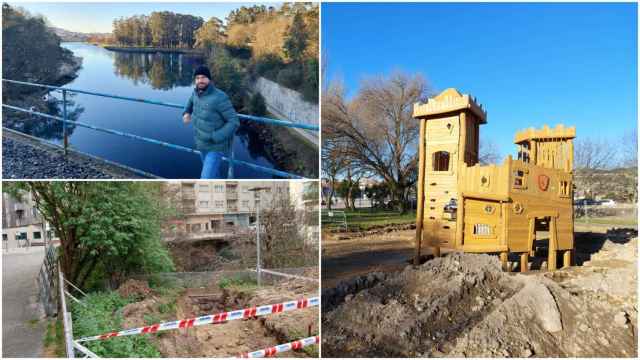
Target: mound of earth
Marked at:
463, 305
234, 337
135, 288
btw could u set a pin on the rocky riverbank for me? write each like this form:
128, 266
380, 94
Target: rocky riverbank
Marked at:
24, 157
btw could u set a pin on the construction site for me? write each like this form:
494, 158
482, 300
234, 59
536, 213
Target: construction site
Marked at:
495, 263
244, 279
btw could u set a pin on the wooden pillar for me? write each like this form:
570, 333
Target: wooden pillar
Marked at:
524, 262
552, 260
436, 250
420, 193
532, 236
566, 258
504, 260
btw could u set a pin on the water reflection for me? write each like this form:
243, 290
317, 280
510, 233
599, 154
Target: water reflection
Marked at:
42, 127
162, 71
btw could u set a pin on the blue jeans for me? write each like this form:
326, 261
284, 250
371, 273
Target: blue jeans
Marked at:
213, 167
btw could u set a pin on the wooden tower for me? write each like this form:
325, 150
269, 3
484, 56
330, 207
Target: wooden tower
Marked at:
449, 139
494, 208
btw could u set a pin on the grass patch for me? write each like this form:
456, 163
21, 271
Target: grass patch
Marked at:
238, 282
102, 314
608, 221
54, 339
365, 219
33, 323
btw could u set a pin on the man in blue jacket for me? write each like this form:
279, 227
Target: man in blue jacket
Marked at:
214, 122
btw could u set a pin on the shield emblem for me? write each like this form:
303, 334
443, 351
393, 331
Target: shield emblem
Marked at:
543, 182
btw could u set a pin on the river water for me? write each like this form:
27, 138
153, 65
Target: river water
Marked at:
160, 76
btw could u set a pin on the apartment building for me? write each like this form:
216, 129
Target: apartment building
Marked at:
222, 206
22, 224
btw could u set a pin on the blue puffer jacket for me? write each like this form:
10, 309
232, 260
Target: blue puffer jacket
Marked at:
214, 119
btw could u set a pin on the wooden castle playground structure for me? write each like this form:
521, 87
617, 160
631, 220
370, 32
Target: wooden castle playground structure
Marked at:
469, 207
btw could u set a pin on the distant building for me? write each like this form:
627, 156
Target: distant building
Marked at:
22, 224
220, 207
302, 194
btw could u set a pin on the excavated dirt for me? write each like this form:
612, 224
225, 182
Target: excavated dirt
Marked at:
234, 337
135, 288
463, 305
198, 256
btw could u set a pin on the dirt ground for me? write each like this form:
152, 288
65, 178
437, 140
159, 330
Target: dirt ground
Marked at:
345, 255
463, 305
234, 337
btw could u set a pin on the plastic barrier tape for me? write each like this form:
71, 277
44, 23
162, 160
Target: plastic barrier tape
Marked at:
270, 351
211, 319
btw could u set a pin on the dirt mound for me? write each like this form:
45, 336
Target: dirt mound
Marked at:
135, 288
464, 305
198, 256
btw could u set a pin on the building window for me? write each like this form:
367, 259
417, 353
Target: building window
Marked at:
481, 229
519, 179
4, 237
219, 203
441, 161
204, 187
19, 213
218, 188
245, 203
204, 204
37, 235
21, 236
565, 188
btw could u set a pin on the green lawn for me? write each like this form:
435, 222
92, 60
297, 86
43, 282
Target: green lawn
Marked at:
364, 219
608, 221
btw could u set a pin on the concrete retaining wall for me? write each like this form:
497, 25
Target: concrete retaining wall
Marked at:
288, 104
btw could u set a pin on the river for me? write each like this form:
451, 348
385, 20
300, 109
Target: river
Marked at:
160, 76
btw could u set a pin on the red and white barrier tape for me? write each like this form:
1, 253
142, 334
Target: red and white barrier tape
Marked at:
212, 319
270, 351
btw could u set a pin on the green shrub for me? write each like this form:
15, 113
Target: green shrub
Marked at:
101, 315
269, 66
257, 105
311, 81
291, 76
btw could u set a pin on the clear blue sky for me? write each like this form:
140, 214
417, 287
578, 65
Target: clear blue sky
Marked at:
529, 64
98, 17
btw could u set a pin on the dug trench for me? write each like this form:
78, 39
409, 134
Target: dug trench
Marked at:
464, 305
227, 339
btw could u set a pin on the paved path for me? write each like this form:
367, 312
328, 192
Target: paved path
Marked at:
23, 326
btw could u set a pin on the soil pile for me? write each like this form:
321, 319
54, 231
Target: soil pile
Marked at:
463, 305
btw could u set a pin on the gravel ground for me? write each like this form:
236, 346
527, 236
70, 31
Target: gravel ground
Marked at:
24, 158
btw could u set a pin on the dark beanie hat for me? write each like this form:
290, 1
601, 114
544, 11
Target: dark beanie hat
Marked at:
202, 70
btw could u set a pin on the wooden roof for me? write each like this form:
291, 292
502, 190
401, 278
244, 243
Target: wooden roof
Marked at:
449, 101
559, 132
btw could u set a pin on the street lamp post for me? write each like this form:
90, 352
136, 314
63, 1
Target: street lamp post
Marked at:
258, 267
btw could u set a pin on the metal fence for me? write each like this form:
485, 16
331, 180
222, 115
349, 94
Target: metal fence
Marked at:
336, 218
65, 121
47, 282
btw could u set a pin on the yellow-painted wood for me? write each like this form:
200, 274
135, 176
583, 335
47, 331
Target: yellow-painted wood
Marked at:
497, 204
524, 262
420, 210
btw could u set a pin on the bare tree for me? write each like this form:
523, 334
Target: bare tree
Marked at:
376, 131
592, 155
280, 239
333, 162
488, 152
630, 148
